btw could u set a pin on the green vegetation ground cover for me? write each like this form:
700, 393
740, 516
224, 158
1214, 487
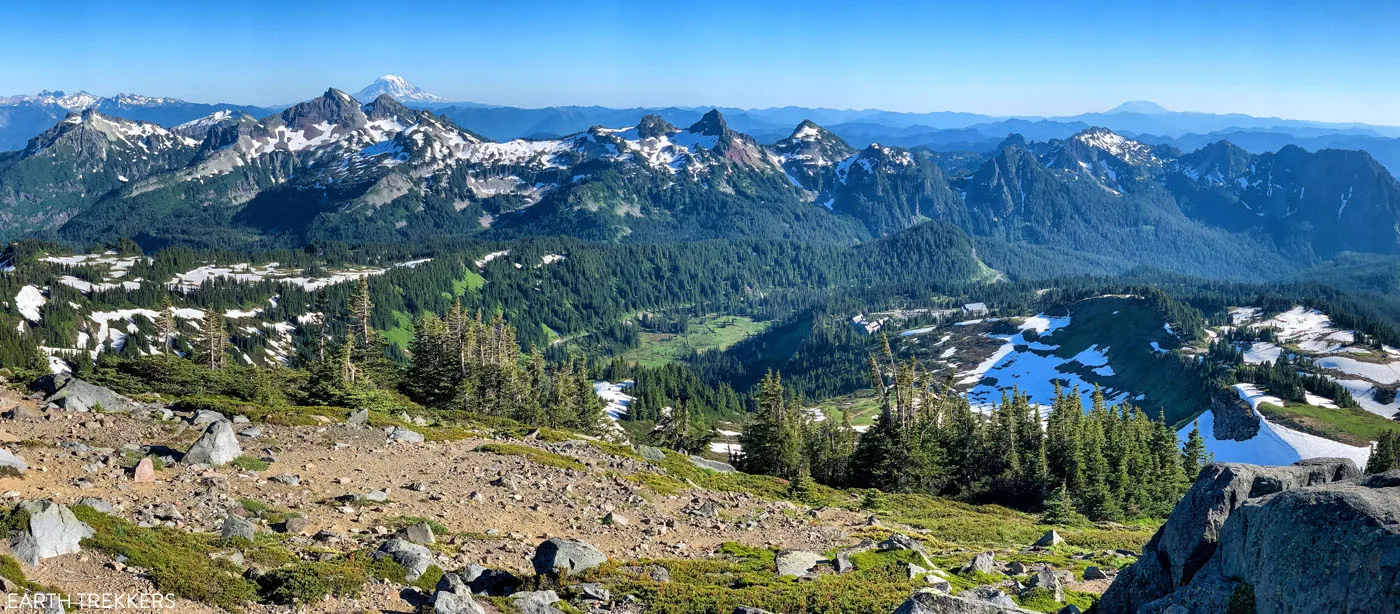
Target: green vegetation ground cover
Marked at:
710, 333
1349, 425
543, 457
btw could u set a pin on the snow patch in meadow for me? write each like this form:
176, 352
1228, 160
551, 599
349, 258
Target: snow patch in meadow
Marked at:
28, 302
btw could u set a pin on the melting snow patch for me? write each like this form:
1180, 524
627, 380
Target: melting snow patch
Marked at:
28, 302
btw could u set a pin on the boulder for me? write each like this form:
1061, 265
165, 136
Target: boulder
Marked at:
652, 454
615, 519
456, 603
568, 556
843, 562
52, 530
985, 563
1045, 579
933, 601
206, 416
796, 562
1051, 538
1094, 573
405, 435
411, 556
535, 602
22, 412
237, 527
12, 463
73, 394
420, 533
900, 542
217, 446
1313, 515
991, 595
744, 609
251, 432
358, 418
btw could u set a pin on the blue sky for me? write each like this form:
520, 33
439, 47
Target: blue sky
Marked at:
1323, 61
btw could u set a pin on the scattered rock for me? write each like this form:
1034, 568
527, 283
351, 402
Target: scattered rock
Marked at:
493, 582
73, 394
251, 432
99, 505
455, 603
652, 454
1094, 573
616, 519
933, 601
993, 596
206, 416
217, 446
358, 418
286, 478
569, 556
744, 609
1016, 568
22, 412
296, 526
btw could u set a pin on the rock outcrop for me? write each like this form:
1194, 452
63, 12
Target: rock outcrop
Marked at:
1311, 537
932, 601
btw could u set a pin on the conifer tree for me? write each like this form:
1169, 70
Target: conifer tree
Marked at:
1193, 452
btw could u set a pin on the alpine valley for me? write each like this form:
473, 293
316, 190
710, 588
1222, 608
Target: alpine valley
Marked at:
821, 358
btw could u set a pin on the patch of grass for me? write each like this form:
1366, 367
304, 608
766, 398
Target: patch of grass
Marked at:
745, 575
11, 570
1349, 425
679, 467
711, 333
992, 526
401, 334
309, 581
615, 449
1043, 600
249, 463
660, 484
267, 513
535, 455
177, 562
470, 280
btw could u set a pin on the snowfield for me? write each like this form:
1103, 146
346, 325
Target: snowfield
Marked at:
28, 302
1275, 444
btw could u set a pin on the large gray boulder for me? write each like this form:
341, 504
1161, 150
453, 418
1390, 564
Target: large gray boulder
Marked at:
73, 394
1265, 526
1045, 579
52, 531
413, 557
933, 601
238, 527
566, 556
217, 446
483, 581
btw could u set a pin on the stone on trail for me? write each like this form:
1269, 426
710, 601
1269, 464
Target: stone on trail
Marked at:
569, 556
217, 446
52, 531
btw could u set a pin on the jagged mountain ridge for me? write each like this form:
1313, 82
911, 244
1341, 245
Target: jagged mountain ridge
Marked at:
334, 167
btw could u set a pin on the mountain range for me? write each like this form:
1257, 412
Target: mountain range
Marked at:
336, 168
23, 117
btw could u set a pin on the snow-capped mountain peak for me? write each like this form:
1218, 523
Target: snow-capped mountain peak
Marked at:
1116, 145
398, 88
76, 101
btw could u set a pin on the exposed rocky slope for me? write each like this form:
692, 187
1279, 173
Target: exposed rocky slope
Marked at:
1311, 537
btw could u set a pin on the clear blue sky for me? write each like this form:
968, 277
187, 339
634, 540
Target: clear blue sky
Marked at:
1335, 61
